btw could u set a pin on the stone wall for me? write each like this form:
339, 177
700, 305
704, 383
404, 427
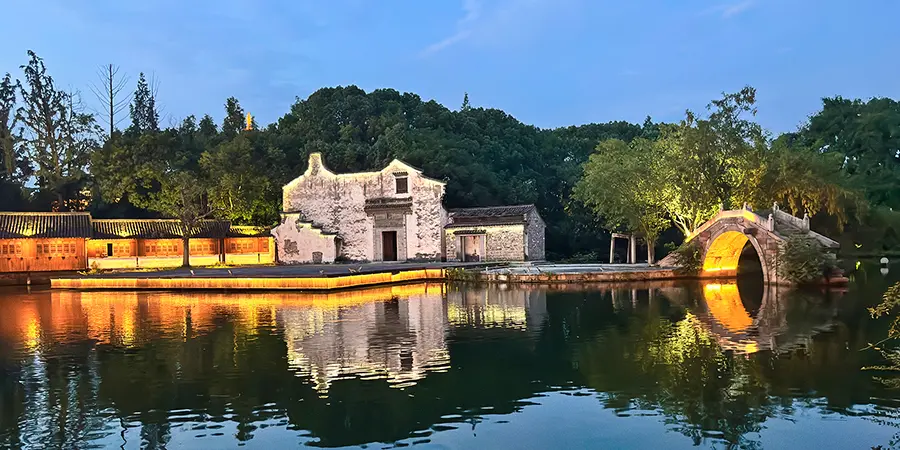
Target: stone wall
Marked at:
336, 203
502, 242
534, 232
764, 243
297, 241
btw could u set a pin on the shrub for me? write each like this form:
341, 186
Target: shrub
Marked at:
689, 258
94, 270
801, 260
460, 274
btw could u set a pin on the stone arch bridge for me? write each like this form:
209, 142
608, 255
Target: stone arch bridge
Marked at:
724, 238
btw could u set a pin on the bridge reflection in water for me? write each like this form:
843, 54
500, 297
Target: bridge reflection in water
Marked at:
120, 363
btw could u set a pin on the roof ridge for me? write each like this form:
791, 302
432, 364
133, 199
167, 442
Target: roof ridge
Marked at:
158, 220
500, 206
523, 205
45, 213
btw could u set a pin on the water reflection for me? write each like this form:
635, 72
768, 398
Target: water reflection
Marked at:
433, 364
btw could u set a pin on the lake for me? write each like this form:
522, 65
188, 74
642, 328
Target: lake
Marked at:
663, 365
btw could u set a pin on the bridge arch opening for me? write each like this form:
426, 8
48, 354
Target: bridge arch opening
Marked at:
733, 253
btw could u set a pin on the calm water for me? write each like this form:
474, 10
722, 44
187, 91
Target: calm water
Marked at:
456, 366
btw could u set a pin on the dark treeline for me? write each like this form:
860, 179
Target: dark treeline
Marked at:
119, 161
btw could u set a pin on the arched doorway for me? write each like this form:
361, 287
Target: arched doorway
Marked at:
732, 253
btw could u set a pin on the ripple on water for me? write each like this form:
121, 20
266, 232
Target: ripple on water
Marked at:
443, 367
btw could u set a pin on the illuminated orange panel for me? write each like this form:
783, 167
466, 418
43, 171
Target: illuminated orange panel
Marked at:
313, 283
724, 303
724, 253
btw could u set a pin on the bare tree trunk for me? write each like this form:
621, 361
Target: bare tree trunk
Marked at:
109, 93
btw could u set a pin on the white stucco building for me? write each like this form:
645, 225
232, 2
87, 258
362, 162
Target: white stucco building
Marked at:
395, 214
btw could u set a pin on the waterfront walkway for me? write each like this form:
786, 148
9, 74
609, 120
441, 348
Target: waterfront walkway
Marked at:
295, 271
343, 276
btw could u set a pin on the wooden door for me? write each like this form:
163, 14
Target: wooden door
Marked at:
389, 245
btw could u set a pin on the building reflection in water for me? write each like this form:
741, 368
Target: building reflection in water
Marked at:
399, 333
522, 308
382, 337
255, 349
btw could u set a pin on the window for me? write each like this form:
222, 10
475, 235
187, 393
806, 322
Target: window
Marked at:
109, 249
402, 184
49, 249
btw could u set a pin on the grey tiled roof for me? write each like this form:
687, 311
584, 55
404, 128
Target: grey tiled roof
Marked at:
490, 215
14, 225
156, 229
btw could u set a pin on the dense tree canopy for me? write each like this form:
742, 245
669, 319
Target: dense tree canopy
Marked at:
198, 169
699, 165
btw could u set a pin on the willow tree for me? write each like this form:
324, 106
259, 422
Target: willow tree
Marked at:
622, 185
807, 181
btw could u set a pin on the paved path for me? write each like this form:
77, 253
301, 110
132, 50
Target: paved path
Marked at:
297, 271
574, 269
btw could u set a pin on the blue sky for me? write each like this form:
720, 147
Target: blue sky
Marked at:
547, 62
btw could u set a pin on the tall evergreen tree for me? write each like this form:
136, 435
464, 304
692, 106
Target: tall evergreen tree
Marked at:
234, 118
144, 114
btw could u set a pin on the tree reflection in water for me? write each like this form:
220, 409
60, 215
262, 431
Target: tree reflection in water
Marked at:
714, 362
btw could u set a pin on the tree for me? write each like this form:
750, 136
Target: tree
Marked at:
866, 137
173, 183
713, 161
234, 118
621, 185
15, 166
465, 104
143, 110
109, 93
58, 135
805, 180
239, 184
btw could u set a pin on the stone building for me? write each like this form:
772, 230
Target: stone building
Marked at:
394, 214
500, 233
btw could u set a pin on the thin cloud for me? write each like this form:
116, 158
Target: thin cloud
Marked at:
737, 8
501, 22
729, 10
473, 11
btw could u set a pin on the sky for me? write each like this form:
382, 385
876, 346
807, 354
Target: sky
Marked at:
549, 63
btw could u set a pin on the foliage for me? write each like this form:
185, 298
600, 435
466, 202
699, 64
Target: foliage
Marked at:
830, 168
461, 274
689, 258
94, 270
712, 161
805, 180
144, 113
240, 185
801, 260
701, 164
15, 166
58, 137
865, 136
888, 304
620, 185
234, 118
